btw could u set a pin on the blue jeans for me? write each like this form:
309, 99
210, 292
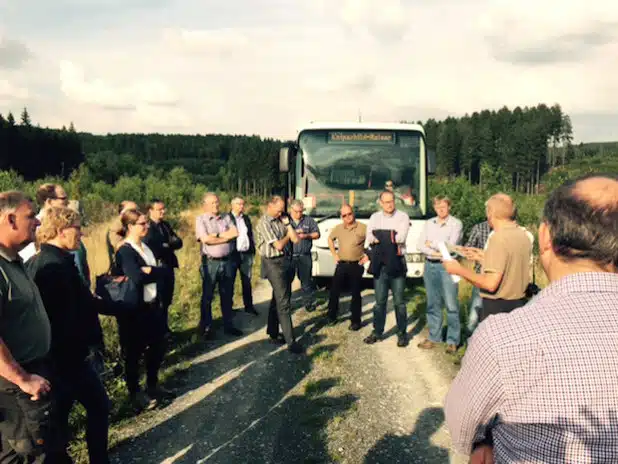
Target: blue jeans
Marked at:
217, 272
396, 285
441, 288
302, 266
476, 306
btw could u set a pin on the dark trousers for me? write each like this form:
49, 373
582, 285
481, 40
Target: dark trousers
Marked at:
499, 306
352, 274
302, 266
29, 428
216, 272
277, 271
167, 290
243, 263
396, 285
79, 382
142, 334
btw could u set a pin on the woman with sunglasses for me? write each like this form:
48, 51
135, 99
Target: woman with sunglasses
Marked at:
141, 328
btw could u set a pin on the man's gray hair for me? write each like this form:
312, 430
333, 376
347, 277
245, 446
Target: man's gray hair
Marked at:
236, 200
297, 203
11, 200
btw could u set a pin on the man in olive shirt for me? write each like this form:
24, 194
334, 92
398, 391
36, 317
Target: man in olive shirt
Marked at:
350, 257
506, 261
25, 337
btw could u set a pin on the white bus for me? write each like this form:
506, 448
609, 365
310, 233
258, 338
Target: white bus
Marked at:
334, 163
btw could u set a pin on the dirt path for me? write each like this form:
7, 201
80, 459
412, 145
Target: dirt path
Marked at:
248, 401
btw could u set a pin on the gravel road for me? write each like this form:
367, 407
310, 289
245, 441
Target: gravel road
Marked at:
248, 401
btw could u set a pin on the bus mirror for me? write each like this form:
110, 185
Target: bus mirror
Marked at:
431, 162
284, 159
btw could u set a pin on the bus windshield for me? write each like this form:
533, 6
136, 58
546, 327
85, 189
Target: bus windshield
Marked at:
354, 166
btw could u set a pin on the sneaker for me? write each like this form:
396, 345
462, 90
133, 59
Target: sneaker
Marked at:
233, 331
279, 340
354, 326
372, 338
402, 340
296, 348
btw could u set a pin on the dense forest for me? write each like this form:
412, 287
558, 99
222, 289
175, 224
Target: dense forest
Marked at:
522, 144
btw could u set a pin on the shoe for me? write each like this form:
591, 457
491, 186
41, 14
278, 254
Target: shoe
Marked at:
372, 338
141, 401
206, 334
277, 340
354, 326
296, 348
159, 392
252, 311
402, 340
233, 331
426, 344
451, 349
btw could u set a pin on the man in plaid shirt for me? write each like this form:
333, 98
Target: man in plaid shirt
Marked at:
540, 384
478, 239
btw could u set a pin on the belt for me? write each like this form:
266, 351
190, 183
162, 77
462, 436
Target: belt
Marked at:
295, 255
274, 257
432, 260
224, 258
347, 262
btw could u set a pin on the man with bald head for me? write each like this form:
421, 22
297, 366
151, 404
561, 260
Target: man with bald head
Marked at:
350, 257
539, 384
506, 262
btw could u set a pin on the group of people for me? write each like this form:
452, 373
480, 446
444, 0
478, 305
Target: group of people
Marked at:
51, 341
539, 372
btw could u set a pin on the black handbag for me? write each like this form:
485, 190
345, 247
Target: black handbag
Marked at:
117, 289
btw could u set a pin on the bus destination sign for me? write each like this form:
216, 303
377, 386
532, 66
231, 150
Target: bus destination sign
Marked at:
366, 137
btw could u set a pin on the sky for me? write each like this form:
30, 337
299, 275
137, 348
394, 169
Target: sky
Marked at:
267, 67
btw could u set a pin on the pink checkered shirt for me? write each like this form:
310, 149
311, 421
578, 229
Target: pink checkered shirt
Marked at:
543, 380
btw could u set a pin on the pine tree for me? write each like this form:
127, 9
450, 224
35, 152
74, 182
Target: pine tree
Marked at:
25, 118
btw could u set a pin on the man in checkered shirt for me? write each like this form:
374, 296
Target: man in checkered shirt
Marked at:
540, 384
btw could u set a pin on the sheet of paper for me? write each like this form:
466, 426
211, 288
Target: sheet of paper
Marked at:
447, 256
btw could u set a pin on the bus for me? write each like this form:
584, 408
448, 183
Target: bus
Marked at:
330, 164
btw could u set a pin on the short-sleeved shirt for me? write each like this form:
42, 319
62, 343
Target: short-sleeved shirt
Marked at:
350, 240
508, 252
308, 226
269, 230
24, 325
207, 224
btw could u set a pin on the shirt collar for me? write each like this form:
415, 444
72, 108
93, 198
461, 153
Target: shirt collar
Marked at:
446, 221
210, 216
59, 252
354, 225
581, 282
8, 254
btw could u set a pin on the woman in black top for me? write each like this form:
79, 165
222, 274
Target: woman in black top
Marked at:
72, 312
142, 328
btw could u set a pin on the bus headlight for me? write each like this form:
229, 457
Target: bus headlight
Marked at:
414, 258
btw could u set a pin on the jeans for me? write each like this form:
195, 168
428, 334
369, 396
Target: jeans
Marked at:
441, 288
82, 384
476, 306
302, 266
217, 272
243, 262
352, 274
277, 271
396, 285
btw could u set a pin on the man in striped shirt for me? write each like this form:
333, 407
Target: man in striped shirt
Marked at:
540, 384
274, 233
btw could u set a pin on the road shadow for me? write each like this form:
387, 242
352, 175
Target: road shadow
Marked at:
415, 447
244, 416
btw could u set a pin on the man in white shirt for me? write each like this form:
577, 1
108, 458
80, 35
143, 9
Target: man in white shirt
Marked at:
244, 251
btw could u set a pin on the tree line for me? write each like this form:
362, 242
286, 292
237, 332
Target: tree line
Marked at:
522, 144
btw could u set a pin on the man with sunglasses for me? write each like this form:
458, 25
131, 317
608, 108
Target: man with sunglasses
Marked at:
47, 196
350, 257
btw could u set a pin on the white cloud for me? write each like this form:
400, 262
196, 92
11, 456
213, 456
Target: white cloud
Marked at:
266, 66
10, 92
102, 93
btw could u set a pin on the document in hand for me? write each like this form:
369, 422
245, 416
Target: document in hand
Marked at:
447, 256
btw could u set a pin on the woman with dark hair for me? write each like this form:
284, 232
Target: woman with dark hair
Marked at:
141, 328
72, 312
